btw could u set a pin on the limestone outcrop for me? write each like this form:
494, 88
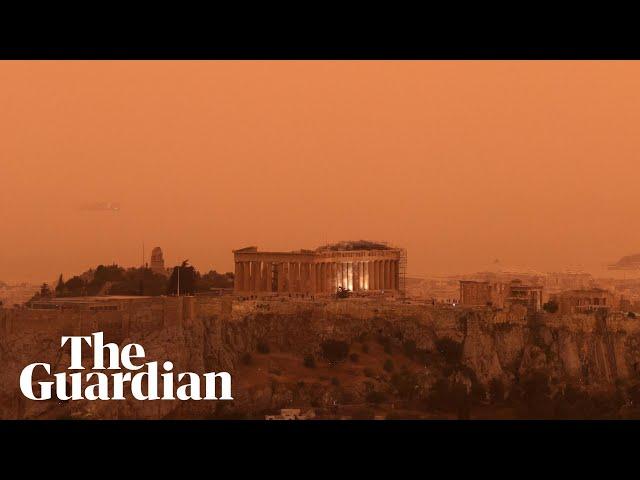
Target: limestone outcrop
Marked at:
215, 334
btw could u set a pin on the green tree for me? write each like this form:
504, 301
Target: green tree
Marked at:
213, 279
75, 286
183, 277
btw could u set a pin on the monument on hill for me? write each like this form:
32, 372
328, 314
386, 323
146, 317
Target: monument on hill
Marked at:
157, 261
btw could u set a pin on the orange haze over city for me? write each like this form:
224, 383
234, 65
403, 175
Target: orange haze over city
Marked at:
535, 164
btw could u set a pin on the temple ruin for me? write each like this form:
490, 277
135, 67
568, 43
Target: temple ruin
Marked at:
360, 267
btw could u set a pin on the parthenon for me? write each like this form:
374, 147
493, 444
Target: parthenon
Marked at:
355, 266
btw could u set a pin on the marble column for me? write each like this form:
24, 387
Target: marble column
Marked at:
349, 275
313, 279
287, 278
267, 272
255, 275
318, 278
280, 276
331, 277
397, 274
246, 276
345, 275
356, 276
372, 275
379, 276
294, 270
304, 273
385, 269
237, 277
392, 275
367, 282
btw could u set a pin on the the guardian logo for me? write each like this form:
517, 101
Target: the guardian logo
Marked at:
125, 369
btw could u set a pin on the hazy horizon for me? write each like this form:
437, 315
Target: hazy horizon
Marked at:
534, 163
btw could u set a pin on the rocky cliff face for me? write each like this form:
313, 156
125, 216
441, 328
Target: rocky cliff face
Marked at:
473, 348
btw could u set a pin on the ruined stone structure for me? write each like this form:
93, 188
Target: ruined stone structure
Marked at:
500, 295
529, 296
157, 261
474, 293
583, 300
356, 266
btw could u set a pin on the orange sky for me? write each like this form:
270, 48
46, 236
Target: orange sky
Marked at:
534, 163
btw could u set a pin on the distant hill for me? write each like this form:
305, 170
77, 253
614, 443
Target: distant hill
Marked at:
630, 262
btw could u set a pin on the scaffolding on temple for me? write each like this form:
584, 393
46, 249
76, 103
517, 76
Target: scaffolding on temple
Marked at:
402, 270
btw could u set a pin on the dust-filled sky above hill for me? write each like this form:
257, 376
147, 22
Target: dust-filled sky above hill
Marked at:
536, 164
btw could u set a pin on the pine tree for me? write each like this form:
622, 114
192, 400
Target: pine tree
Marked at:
45, 292
60, 285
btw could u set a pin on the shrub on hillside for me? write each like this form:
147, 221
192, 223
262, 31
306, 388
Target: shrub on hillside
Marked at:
409, 348
247, 359
309, 361
406, 384
386, 344
334, 351
450, 351
496, 390
388, 365
376, 397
